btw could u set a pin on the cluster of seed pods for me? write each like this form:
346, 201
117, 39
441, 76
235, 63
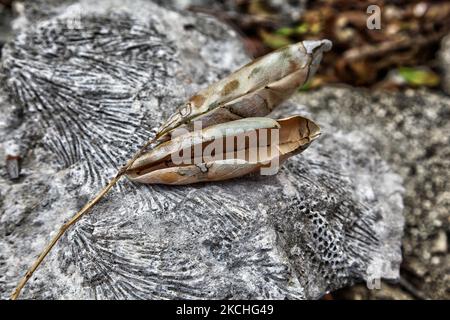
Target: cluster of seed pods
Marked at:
234, 109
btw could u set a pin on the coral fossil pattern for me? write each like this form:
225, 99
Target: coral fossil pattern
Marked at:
90, 96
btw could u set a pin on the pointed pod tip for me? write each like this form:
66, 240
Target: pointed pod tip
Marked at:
307, 128
313, 46
314, 129
327, 45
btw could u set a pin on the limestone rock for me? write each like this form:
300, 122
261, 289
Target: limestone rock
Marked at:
83, 85
411, 131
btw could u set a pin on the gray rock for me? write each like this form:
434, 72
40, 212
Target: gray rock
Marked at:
411, 131
444, 62
5, 24
289, 11
81, 93
440, 243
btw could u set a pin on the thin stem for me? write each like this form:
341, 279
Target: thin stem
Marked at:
77, 216
407, 286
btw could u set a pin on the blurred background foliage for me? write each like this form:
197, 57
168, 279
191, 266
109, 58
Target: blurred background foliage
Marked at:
400, 54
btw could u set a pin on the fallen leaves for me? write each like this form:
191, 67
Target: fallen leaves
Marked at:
409, 37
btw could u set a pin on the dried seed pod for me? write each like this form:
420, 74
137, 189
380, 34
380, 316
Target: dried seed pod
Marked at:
253, 90
225, 151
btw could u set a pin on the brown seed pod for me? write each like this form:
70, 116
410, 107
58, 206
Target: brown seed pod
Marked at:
253, 90
225, 151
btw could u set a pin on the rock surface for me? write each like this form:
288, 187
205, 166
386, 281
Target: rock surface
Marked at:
411, 130
444, 62
81, 92
290, 11
5, 24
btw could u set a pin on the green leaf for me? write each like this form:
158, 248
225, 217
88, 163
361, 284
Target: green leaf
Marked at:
305, 87
302, 28
419, 76
273, 40
285, 31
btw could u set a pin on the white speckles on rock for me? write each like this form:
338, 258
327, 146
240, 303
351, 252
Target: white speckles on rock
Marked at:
440, 243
